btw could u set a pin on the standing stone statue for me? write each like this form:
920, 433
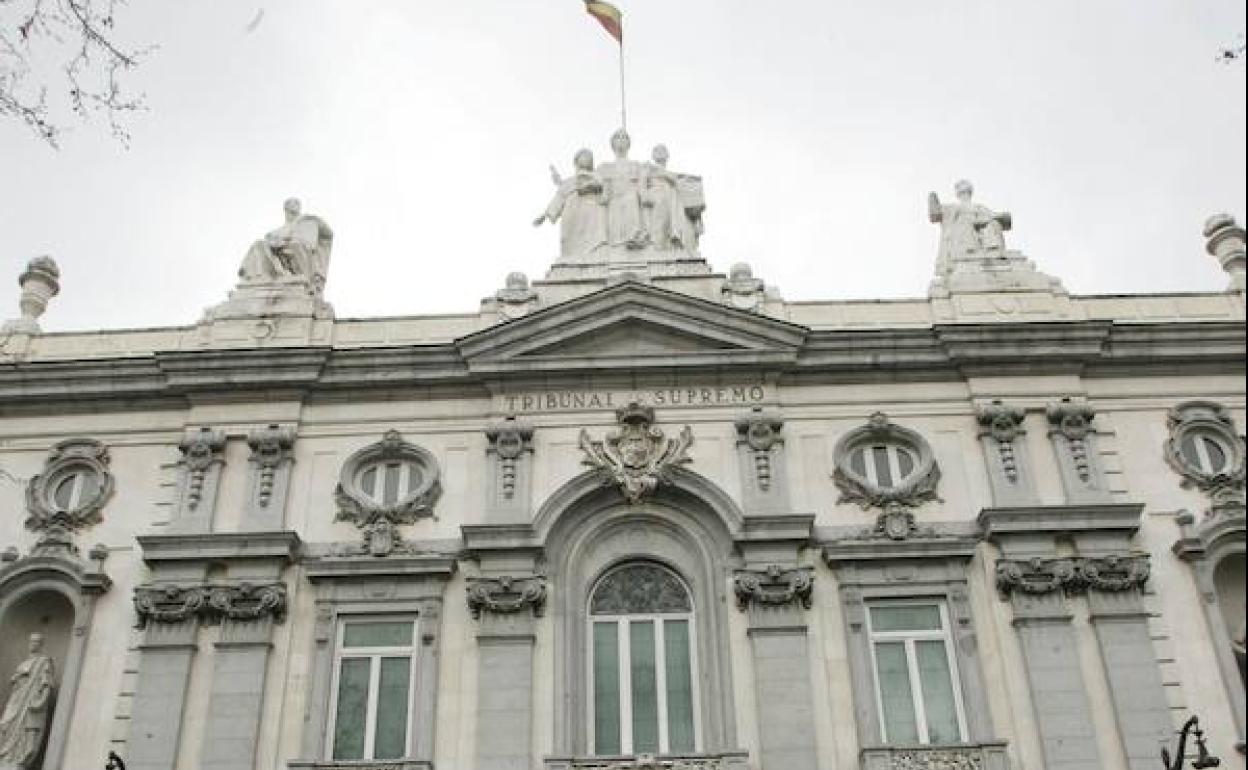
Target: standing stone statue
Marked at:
623, 179
299, 249
673, 205
24, 720
579, 201
968, 231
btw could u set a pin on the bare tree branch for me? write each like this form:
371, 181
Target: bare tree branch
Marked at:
62, 56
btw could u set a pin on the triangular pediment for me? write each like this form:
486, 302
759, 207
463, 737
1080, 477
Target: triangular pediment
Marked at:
632, 325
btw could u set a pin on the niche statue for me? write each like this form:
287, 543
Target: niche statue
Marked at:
24, 721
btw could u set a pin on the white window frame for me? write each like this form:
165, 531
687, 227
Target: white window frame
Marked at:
374, 655
404, 488
624, 673
909, 638
892, 452
1203, 462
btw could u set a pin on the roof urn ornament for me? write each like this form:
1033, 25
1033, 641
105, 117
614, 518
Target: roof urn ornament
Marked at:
1225, 240
40, 282
637, 457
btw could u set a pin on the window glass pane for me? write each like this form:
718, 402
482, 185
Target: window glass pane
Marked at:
352, 710
883, 474
1217, 456
378, 634
905, 462
637, 589
63, 494
937, 684
642, 681
390, 494
896, 700
606, 689
391, 739
368, 481
679, 685
923, 617
857, 461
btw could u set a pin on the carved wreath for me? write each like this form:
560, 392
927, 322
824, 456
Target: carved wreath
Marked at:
913, 489
378, 520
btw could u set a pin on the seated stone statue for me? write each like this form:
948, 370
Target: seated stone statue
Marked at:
298, 249
24, 720
969, 231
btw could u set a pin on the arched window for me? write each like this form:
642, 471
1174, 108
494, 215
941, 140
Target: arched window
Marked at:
644, 696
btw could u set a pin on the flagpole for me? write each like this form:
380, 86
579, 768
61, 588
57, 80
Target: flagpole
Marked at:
623, 100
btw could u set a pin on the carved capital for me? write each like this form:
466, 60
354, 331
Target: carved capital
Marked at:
1004, 423
637, 457
271, 446
760, 432
510, 439
201, 450
209, 603
774, 586
1074, 575
507, 595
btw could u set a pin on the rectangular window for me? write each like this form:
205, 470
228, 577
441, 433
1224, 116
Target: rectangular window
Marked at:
643, 694
915, 674
374, 676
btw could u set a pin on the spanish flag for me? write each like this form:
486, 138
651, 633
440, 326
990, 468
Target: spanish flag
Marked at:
609, 17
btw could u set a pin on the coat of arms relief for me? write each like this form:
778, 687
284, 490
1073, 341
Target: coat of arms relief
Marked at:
637, 457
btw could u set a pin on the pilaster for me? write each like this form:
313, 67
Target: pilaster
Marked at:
510, 462
272, 455
199, 477
775, 592
761, 453
1074, 440
1009, 467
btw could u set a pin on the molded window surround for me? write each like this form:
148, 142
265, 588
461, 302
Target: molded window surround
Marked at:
375, 675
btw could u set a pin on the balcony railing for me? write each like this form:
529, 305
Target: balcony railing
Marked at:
963, 756
736, 760
360, 764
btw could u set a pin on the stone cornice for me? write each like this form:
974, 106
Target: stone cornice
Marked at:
1119, 518
942, 352
281, 546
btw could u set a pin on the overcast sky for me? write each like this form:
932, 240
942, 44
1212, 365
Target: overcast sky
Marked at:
421, 132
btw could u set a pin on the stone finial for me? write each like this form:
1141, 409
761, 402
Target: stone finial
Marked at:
742, 290
517, 298
1226, 242
40, 282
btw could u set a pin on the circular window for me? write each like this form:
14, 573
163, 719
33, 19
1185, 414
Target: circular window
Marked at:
73, 487
1205, 448
883, 465
393, 478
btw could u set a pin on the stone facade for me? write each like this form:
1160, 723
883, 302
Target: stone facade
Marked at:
197, 515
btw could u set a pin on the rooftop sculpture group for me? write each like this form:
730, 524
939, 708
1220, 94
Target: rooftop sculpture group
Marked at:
625, 208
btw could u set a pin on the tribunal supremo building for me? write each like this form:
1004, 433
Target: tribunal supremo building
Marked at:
637, 514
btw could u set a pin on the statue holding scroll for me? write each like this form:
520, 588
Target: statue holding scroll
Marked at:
24, 720
299, 249
968, 231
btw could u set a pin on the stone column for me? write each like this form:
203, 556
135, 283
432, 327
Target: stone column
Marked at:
506, 608
1121, 624
241, 662
166, 656
1042, 619
775, 599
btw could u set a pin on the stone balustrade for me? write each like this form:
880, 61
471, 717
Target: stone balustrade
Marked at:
981, 756
737, 760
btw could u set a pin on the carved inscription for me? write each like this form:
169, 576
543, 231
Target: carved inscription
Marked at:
574, 400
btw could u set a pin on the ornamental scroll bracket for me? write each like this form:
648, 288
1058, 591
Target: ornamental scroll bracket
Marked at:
774, 586
209, 603
507, 595
637, 457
